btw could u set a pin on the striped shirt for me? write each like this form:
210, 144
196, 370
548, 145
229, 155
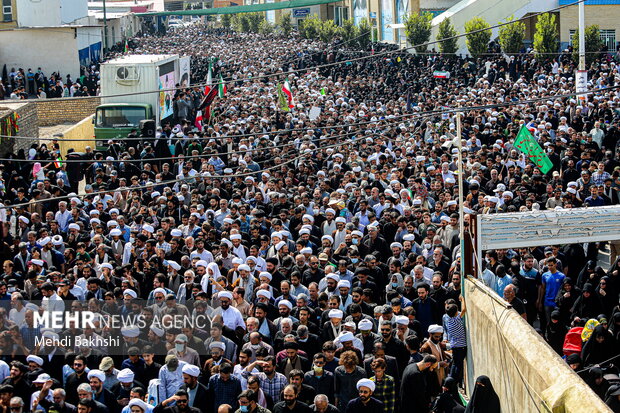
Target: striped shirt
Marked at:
455, 330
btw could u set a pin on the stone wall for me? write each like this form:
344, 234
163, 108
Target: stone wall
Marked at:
28, 126
526, 373
56, 112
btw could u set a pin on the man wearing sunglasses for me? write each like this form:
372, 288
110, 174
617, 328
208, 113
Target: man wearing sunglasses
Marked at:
179, 403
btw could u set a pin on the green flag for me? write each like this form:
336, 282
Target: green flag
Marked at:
323, 91
526, 143
282, 99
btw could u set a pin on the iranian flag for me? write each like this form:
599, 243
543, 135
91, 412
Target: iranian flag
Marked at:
221, 88
438, 74
198, 121
208, 87
286, 89
126, 46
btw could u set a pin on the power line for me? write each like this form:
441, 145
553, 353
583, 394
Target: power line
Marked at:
413, 116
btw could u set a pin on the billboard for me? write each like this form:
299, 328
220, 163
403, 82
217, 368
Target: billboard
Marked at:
184, 71
167, 82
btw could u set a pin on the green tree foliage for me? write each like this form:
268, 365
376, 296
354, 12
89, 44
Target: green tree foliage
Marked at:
309, 27
546, 36
285, 24
240, 23
364, 36
477, 41
255, 20
447, 31
593, 43
265, 27
511, 36
226, 20
348, 31
418, 30
328, 31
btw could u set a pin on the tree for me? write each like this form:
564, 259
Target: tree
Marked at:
593, 43
265, 27
447, 31
255, 20
348, 31
285, 24
226, 20
309, 27
364, 37
240, 23
418, 30
511, 36
328, 31
477, 37
546, 36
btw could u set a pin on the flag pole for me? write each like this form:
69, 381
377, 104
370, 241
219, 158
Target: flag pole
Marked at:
459, 140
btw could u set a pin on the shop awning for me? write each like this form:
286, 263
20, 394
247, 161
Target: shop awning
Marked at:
291, 4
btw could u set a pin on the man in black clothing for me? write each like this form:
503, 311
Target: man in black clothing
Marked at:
365, 403
306, 393
181, 399
414, 388
190, 382
17, 378
290, 404
75, 379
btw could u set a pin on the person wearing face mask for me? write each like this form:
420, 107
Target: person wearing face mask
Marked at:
183, 352
248, 403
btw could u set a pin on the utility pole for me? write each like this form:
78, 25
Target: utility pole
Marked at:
581, 76
459, 145
105, 28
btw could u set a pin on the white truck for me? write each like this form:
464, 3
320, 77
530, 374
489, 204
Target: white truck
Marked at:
136, 88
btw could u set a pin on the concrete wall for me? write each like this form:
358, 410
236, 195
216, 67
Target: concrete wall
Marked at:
84, 130
507, 350
28, 126
54, 112
607, 17
71, 10
53, 50
38, 13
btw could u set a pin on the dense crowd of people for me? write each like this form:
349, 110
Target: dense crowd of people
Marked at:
313, 253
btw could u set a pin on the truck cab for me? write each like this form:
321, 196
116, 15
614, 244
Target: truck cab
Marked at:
117, 120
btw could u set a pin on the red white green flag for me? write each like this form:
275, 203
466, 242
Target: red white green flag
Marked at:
221, 88
286, 89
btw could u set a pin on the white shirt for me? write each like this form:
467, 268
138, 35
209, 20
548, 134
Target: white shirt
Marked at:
231, 317
17, 316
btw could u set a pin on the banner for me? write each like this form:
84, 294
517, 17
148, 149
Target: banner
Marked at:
167, 83
526, 143
184, 71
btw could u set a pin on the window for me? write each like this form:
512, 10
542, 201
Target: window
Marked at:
119, 117
609, 39
608, 36
7, 11
340, 15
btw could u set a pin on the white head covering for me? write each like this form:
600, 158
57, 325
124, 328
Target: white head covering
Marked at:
435, 328
35, 359
366, 383
125, 376
191, 370
98, 374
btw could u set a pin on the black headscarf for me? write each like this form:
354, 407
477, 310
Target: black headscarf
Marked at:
483, 399
449, 401
587, 307
594, 352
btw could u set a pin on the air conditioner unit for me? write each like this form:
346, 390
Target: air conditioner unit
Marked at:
128, 75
